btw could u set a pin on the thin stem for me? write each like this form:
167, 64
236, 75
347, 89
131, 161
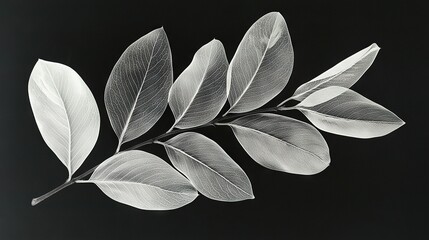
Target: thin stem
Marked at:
226, 113
169, 133
37, 200
118, 147
287, 108
171, 129
285, 101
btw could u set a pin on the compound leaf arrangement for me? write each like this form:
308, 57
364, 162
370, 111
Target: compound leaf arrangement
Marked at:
140, 88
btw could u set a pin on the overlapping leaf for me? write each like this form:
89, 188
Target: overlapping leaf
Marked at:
137, 90
262, 64
65, 111
199, 93
282, 143
342, 111
344, 74
209, 168
144, 181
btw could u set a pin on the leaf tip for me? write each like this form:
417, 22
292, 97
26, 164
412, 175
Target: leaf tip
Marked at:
375, 46
216, 41
161, 29
41, 61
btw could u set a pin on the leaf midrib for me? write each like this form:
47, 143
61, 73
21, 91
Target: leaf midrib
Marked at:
208, 167
135, 183
256, 70
280, 140
197, 90
69, 167
345, 118
124, 130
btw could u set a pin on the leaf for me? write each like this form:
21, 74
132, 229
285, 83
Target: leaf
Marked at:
65, 111
137, 90
262, 64
344, 74
199, 93
281, 143
208, 167
143, 181
344, 112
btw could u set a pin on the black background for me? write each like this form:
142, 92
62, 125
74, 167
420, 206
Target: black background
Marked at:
374, 189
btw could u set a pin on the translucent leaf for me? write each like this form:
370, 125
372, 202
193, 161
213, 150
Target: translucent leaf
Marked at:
208, 167
65, 111
199, 93
342, 111
137, 90
344, 74
262, 64
143, 181
281, 143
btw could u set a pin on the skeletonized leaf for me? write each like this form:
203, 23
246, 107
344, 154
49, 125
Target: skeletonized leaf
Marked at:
344, 74
208, 167
137, 90
144, 181
262, 64
281, 143
344, 112
199, 93
65, 111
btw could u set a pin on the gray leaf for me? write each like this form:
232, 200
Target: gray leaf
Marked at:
143, 181
262, 64
199, 93
281, 143
208, 167
344, 112
65, 111
344, 74
137, 90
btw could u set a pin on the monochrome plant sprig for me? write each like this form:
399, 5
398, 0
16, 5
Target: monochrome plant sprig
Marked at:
141, 86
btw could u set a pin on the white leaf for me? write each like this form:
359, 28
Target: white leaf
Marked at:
262, 64
281, 143
344, 74
137, 90
199, 93
65, 111
143, 181
208, 167
342, 111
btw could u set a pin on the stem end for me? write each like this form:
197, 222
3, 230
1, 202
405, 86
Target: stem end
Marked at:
34, 201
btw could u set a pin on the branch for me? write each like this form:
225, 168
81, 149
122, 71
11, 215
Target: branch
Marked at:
169, 133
